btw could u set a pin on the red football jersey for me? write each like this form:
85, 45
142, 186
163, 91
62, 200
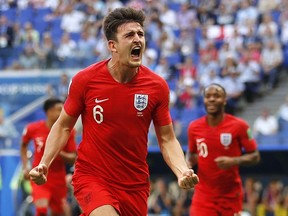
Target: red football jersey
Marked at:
116, 119
229, 138
38, 132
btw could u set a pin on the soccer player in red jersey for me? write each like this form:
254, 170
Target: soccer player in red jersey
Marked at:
216, 142
117, 99
53, 194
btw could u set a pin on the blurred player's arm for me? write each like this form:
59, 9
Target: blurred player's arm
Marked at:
57, 139
68, 157
24, 159
247, 159
191, 158
174, 156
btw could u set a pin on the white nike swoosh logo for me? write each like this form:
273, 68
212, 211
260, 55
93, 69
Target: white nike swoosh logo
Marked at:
100, 101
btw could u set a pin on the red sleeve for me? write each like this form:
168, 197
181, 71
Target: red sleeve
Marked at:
192, 147
162, 114
246, 139
74, 103
26, 137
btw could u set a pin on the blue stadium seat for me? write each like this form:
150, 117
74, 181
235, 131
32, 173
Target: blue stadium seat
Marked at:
41, 26
75, 36
10, 13
272, 140
174, 59
41, 13
25, 15
174, 112
174, 6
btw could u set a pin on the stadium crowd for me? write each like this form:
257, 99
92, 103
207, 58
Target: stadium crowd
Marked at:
189, 43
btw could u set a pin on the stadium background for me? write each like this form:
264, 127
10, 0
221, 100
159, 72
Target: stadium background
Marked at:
23, 90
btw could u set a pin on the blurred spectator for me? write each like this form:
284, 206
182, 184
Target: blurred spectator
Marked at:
187, 94
161, 201
150, 58
6, 42
281, 208
163, 68
271, 66
29, 35
187, 70
270, 199
185, 43
167, 42
283, 22
72, 20
85, 50
236, 41
187, 17
250, 76
234, 90
251, 195
62, 88
210, 50
265, 6
247, 13
46, 52
181, 200
205, 13
253, 50
113, 4
226, 52
7, 131
206, 65
267, 27
265, 124
101, 49
283, 110
28, 59
168, 16
224, 16
66, 51
209, 78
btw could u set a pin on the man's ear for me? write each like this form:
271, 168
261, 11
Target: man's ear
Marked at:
112, 46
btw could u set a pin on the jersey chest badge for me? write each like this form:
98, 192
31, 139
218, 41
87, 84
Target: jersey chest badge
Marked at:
226, 139
140, 101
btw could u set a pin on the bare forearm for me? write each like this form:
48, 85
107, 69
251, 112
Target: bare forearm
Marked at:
174, 157
56, 140
24, 159
248, 159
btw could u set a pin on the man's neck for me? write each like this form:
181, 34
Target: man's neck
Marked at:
120, 73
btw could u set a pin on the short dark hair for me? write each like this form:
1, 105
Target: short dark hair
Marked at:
49, 103
120, 16
215, 84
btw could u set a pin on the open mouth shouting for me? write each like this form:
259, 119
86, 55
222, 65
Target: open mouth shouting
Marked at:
135, 53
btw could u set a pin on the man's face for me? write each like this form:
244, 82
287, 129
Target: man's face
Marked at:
214, 99
54, 112
130, 44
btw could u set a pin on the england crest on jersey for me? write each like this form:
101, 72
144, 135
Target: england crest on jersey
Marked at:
140, 101
226, 139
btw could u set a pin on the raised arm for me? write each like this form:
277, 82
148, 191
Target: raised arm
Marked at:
174, 157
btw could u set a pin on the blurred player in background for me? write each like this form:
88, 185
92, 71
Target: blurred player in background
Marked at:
117, 99
53, 195
216, 142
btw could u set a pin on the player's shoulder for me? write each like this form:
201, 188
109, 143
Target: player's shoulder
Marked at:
198, 122
91, 70
35, 124
237, 120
